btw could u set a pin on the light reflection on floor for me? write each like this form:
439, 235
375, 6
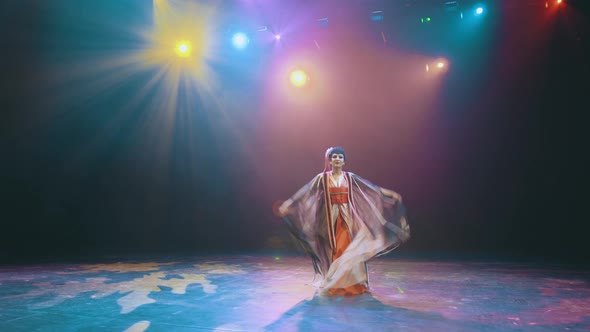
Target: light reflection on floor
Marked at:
252, 293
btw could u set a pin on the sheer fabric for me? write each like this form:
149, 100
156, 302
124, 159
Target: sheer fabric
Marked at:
320, 212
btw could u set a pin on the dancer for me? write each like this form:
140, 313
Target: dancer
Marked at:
342, 221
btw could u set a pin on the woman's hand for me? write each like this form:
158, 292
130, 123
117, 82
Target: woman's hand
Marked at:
391, 194
284, 208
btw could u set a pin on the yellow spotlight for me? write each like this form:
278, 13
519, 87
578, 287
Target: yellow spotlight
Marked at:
183, 48
299, 78
440, 65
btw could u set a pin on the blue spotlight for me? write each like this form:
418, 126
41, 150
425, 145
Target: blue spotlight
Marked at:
323, 22
377, 15
240, 40
478, 10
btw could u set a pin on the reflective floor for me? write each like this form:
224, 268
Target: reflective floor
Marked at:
263, 292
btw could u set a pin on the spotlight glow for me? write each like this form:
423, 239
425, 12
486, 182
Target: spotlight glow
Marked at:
298, 78
438, 66
180, 32
240, 40
278, 37
183, 48
479, 10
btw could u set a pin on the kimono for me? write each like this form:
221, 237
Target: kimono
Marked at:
342, 226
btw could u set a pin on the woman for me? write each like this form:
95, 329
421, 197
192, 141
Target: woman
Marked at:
342, 221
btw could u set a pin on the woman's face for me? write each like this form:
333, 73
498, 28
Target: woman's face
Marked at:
337, 160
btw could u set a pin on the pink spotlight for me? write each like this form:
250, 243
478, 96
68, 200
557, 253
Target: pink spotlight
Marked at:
277, 37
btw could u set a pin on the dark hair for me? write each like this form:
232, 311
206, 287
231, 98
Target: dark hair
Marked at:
336, 149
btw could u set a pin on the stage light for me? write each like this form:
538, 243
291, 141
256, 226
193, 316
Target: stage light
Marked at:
451, 6
323, 22
553, 3
479, 11
298, 78
277, 37
425, 19
438, 65
183, 48
240, 40
377, 15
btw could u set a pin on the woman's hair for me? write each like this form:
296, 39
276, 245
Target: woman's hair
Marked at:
333, 150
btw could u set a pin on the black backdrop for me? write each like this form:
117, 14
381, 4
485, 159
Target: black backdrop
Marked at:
514, 184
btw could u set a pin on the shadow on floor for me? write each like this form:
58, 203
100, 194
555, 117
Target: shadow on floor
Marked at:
357, 313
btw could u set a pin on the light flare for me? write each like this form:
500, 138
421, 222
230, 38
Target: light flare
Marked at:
183, 48
298, 78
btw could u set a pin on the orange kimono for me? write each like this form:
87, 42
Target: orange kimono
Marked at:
344, 225
342, 238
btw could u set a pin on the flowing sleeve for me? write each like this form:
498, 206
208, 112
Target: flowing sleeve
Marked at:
383, 217
379, 226
307, 223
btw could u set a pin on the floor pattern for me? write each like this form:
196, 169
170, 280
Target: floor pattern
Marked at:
267, 293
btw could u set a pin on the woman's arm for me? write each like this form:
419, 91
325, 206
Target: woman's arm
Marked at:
391, 194
284, 208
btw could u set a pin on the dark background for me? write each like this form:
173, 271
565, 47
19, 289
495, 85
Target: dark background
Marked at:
497, 169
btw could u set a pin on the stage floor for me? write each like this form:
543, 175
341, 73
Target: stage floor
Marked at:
264, 292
